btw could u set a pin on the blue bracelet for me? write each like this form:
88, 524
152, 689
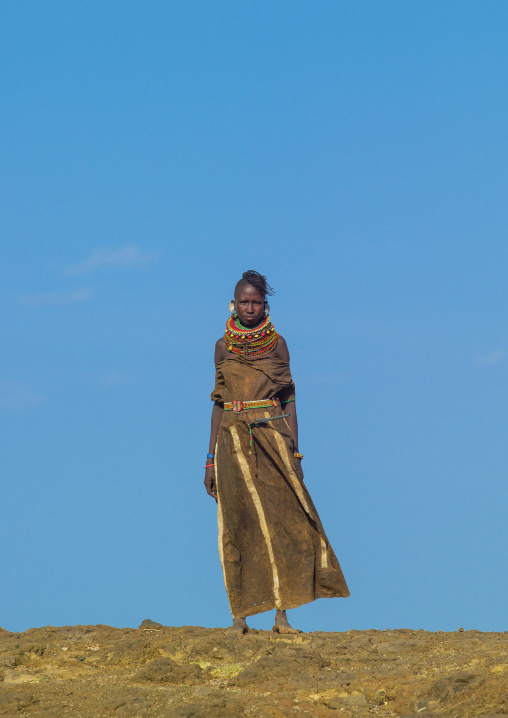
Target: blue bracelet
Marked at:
210, 456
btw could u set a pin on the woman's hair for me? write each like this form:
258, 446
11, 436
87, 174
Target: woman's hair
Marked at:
258, 281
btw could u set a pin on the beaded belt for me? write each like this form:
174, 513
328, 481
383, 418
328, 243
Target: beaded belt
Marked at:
241, 405
261, 404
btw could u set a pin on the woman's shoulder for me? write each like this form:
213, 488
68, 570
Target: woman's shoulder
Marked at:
281, 351
221, 351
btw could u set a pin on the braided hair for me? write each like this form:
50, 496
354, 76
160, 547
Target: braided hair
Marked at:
258, 281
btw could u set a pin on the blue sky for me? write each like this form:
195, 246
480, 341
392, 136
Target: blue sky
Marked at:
357, 154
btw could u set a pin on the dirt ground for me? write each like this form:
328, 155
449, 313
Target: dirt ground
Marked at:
192, 672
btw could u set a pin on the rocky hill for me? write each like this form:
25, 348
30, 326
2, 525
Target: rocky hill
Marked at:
191, 672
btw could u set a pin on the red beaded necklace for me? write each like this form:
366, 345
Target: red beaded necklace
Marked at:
250, 342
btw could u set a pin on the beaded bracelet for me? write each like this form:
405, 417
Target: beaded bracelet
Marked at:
210, 456
297, 455
207, 466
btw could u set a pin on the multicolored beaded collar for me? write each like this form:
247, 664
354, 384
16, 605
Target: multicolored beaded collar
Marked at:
250, 342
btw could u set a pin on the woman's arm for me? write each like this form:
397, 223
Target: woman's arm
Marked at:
214, 430
292, 421
282, 352
220, 354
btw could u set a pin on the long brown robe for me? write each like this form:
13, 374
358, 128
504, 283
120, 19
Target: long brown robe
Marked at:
273, 549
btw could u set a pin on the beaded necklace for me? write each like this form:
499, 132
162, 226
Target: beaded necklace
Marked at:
250, 342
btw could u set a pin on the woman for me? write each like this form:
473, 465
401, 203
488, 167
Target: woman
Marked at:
273, 549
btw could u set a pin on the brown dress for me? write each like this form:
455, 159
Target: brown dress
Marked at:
273, 549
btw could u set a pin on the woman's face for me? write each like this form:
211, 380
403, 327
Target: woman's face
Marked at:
250, 305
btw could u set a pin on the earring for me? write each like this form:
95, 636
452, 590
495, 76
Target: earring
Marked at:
232, 306
267, 309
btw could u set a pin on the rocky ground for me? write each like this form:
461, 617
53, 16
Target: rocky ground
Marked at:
190, 672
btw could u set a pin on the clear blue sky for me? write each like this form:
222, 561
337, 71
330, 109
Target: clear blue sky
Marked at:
357, 154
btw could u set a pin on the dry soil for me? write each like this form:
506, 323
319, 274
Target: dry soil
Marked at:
192, 672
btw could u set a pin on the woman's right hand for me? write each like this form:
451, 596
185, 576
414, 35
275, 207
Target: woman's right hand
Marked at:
210, 482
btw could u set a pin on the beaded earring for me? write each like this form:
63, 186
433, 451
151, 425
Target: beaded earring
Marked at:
267, 309
232, 307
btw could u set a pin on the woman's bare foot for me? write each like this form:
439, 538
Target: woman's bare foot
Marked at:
282, 624
239, 627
